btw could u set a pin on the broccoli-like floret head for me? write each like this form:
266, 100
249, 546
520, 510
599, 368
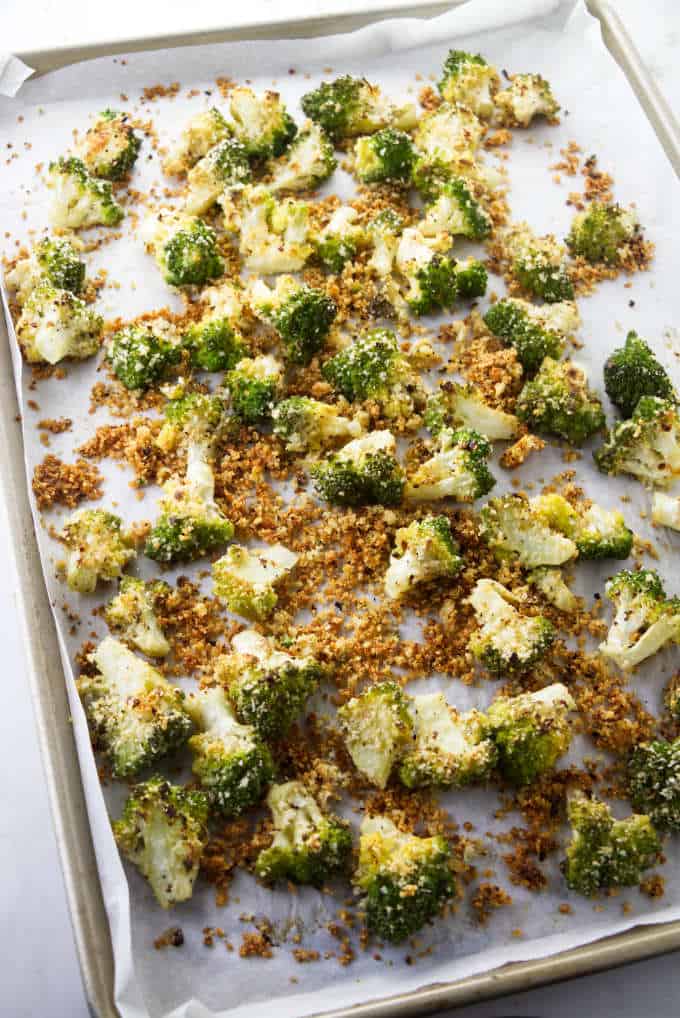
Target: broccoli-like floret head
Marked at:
551, 584
267, 688
538, 264
535, 333
467, 80
530, 731
233, 766
55, 324
448, 749
646, 446
406, 879
528, 96
373, 367
559, 401
644, 620
185, 248
515, 529
463, 406
507, 641
308, 162
387, 155
245, 579
603, 233
445, 134
214, 344
432, 172
203, 132
110, 147
309, 846
377, 729
224, 168
598, 533
363, 472
632, 371
96, 548
80, 200
136, 716
140, 356
164, 830
457, 211
192, 417
261, 122
471, 279
274, 235
349, 106
605, 852
339, 240
423, 551
666, 510
431, 276
457, 470
254, 387
307, 425
654, 782
53, 260
302, 315
132, 613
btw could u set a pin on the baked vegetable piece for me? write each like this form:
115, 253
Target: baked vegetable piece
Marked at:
423, 551
245, 579
378, 729
363, 472
507, 641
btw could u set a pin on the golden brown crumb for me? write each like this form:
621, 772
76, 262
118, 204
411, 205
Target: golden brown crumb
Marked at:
255, 945
486, 898
65, 483
515, 455
55, 425
172, 937
654, 886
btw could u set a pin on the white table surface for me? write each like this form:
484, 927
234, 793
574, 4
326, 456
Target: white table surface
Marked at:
40, 974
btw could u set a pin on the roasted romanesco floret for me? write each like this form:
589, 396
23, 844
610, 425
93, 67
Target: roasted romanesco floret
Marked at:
348, 107
55, 324
559, 401
53, 260
598, 533
406, 879
233, 766
185, 248
308, 162
307, 425
110, 147
528, 96
423, 551
214, 343
646, 446
644, 620
447, 133
457, 470
268, 688
274, 235
339, 240
654, 782
132, 614
136, 716
603, 233
458, 405
225, 168
386, 156
80, 199
309, 846
302, 315
457, 211
254, 387
467, 80
377, 729
261, 122
632, 371
363, 472
203, 132
245, 579
141, 355
538, 264
96, 549
433, 280
373, 367
605, 852
534, 332
507, 641
530, 731
163, 830
515, 529
448, 748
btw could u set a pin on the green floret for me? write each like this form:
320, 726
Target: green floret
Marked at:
306, 424
232, 765
178, 538
471, 279
203, 132
431, 277
309, 846
448, 134
559, 401
645, 619
132, 613
530, 731
301, 314
654, 782
53, 260
462, 405
549, 581
646, 446
163, 830
598, 533
383, 234
80, 199
273, 234
351, 106
377, 729
339, 240
254, 387
373, 367
96, 549
458, 470
467, 80
224, 168
423, 551
188, 255
136, 716
406, 880
507, 641
363, 472
448, 749
110, 147
528, 96
261, 122
602, 234
605, 852
538, 265
387, 155
632, 371
535, 333
267, 688
515, 529
457, 211
139, 357
55, 324
195, 416
308, 162
245, 580
214, 345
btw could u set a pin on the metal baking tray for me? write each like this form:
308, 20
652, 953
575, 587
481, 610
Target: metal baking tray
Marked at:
45, 673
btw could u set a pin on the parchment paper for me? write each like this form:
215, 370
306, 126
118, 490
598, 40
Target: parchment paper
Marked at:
563, 42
